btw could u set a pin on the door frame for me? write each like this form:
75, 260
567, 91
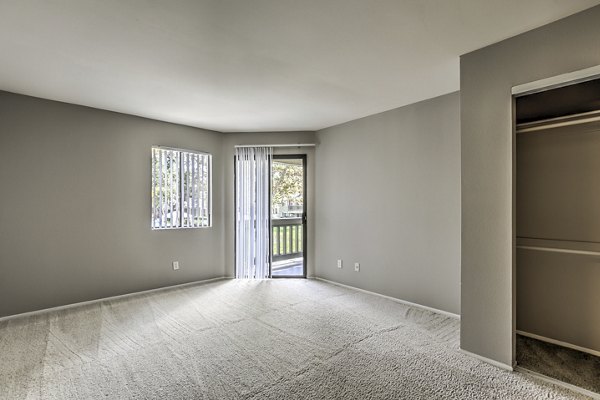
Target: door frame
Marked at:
304, 216
540, 85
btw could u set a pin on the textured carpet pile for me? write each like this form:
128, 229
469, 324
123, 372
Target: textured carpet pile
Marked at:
277, 339
567, 365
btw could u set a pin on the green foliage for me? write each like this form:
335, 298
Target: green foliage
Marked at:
287, 183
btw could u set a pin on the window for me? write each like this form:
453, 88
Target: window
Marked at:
181, 189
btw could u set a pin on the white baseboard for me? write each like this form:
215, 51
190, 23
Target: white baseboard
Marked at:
408, 303
487, 360
556, 382
557, 81
559, 343
121, 296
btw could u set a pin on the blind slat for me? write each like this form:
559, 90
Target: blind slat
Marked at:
180, 189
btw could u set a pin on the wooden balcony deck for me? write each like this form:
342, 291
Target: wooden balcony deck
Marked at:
288, 251
290, 267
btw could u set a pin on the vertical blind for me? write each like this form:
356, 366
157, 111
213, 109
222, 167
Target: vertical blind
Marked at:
180, 189
252, 167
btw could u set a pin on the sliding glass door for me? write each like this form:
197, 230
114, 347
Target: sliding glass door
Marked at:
288, 216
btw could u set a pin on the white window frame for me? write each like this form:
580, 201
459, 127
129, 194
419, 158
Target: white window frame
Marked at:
180, 201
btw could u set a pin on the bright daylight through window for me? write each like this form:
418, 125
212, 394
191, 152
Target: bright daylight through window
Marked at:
181, 189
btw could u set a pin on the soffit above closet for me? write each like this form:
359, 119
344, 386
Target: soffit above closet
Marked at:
258, 65
572, 99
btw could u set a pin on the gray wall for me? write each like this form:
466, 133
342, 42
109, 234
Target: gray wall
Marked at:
388, 196
487, 143
229, 142
75, 206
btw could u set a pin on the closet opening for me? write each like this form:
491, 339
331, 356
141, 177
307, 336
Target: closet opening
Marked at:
557, 229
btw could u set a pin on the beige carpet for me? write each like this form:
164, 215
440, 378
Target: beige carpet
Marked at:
280, 339
567, 365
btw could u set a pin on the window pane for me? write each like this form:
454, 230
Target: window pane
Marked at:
180, 189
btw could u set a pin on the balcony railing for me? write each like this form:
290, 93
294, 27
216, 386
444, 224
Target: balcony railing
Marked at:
287, 238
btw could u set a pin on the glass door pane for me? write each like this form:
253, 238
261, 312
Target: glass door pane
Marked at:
288, 216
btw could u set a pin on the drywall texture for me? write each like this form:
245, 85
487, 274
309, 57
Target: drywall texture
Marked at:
230, 140
487, 143
75, 206
558, 184
388, 197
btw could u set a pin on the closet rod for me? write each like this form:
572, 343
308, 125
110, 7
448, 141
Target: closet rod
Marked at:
278, 145
568, 120
556, 250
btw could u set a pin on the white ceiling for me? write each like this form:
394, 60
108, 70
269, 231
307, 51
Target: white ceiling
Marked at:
252, 65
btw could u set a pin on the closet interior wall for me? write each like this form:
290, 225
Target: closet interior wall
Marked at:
558, 232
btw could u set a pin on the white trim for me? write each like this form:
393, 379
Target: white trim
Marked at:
121, 296
559, 122
180, 150
278, 145
559, 343
486, 360
556, 382
408, 303
556, 81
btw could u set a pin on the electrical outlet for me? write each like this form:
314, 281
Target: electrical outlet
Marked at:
175, 265
357, 267
339, 264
